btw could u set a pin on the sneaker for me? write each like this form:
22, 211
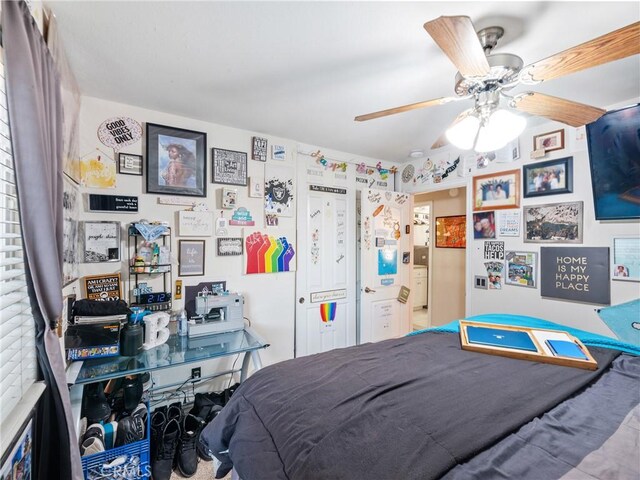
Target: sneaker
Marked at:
110, 434
131, 392
187, 455
165, 450
91, 446
94, 430
140, 411
130, 429
95, 405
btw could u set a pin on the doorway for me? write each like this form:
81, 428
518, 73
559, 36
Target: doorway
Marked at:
445, 267
420, 280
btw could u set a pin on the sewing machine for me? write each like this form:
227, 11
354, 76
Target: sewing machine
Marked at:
216, 314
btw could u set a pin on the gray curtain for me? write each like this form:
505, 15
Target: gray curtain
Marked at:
35, 116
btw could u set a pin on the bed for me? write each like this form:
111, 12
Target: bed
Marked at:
420, 407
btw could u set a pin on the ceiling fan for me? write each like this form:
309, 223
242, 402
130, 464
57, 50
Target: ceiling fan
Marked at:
486, 77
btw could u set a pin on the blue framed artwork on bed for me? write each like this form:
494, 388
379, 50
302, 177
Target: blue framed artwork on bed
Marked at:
614, 156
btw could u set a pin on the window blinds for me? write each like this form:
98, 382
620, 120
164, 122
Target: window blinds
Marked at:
18, 365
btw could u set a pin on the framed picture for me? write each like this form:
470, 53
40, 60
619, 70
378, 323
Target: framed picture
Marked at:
553, 223
259, 149
548, 178
129, 164
549, 142
522, 269
451, 232
625, 261
101, 241
103, 287
229, 167
70, 212
497, 190
229, 198
614, 151
484, 225
176, 161
226, 247
190, 257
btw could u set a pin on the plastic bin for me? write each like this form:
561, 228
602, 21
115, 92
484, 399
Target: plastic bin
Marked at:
136, 462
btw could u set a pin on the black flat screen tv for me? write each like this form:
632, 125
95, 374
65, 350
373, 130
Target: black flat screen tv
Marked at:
614, 156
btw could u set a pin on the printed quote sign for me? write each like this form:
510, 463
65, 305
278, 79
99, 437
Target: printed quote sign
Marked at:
509, 223
119, 132
494, 250
580, 274
103, 287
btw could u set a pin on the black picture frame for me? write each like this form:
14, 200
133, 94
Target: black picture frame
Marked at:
134, 167
228, 167
176, 161
538, 178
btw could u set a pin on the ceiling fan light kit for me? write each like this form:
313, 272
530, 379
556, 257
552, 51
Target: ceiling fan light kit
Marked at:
485, 77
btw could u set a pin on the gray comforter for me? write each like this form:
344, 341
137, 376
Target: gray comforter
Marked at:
408, 408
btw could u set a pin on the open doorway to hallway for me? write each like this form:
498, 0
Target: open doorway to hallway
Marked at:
444, 267
421, 246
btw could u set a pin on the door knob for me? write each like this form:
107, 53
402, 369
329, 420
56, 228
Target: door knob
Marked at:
301, 300
368, 290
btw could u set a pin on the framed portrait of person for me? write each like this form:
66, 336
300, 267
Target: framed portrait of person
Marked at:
496, 190
552, 177
176, 161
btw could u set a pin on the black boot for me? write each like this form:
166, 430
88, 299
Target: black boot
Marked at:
165, 450
187, 454
158, 422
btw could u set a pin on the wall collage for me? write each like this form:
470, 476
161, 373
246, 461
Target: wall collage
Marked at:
562, 268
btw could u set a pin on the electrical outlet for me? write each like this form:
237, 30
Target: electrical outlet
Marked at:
196, 373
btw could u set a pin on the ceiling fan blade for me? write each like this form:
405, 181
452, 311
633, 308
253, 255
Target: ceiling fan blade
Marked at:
615, 45
441, 141
406, 108
558, 109
457, 38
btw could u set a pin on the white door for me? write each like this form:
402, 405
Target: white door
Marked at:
385, 265
325, 278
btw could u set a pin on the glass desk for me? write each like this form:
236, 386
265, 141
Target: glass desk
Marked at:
175, 352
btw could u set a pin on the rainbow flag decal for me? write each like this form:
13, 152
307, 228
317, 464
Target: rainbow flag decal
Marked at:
328, 312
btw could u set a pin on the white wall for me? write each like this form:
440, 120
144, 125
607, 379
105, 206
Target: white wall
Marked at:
527, 301
269, 298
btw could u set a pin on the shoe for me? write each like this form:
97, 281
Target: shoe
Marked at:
175, 412
130, 429
131, 392
91, 446
165, 450
94, 430
95, 405
187, 456
110, 434
140, 411
82, 429
158, 422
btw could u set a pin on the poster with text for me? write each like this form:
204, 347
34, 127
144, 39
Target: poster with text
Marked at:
579, 274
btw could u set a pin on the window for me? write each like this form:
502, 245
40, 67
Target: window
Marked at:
18, 365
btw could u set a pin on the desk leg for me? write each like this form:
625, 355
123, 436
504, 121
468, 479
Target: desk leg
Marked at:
257, 363
75, 395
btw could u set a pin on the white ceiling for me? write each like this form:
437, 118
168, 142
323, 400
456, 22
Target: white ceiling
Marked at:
303, 70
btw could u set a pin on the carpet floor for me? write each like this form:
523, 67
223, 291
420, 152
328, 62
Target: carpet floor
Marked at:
205, 472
